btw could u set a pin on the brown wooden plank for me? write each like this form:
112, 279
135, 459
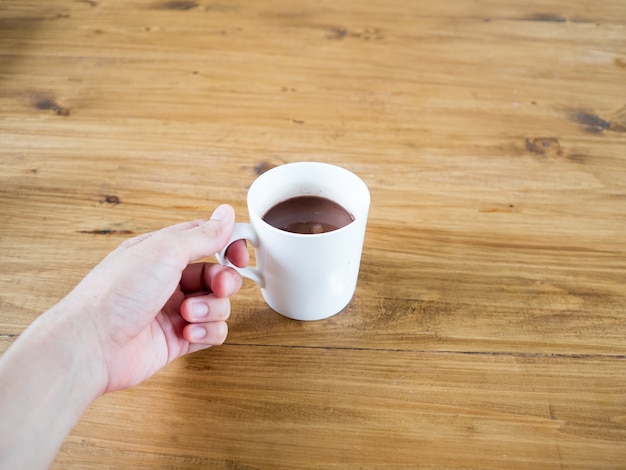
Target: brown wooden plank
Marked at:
487, 330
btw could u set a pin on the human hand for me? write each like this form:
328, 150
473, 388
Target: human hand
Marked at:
148, 304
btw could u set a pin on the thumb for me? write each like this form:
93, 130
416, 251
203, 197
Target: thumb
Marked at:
208, 237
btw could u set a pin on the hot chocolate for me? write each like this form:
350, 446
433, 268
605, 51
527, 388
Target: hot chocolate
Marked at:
308, 215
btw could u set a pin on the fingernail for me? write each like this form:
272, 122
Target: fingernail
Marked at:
220, 213
199, 310
198, 332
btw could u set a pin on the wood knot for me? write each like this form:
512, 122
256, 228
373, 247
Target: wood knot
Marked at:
544, 146
47, 101
262, 167
366, 34
110, 199
546, 17
182, 5
106, 231
594, 124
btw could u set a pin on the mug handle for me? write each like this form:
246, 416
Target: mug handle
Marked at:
242, 232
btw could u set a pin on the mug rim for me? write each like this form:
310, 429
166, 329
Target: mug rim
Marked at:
330, 166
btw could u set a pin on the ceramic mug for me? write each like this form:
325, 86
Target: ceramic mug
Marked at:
304, 276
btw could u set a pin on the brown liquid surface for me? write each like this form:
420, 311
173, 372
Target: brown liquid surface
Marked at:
308, 214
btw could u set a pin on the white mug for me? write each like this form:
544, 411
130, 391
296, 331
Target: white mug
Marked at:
304, 276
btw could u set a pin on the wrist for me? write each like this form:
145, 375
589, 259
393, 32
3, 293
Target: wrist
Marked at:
73, 328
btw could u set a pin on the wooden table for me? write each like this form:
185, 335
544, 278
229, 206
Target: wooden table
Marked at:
488, 329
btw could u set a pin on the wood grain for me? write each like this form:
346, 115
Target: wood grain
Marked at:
293, 407
488, 328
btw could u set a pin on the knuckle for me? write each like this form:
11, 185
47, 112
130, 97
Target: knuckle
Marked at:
210, 230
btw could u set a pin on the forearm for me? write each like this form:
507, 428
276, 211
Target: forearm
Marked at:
48, 378
131, 315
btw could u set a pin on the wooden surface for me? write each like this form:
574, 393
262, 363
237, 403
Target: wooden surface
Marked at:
488, 329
